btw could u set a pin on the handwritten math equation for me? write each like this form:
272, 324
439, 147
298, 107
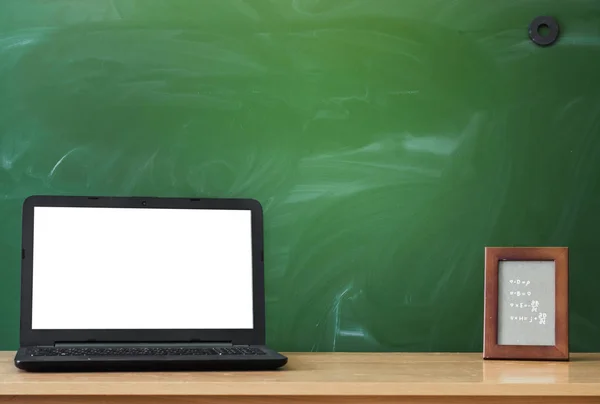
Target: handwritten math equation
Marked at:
529, 308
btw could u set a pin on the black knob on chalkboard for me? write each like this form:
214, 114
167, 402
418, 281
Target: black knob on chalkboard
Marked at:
544, 22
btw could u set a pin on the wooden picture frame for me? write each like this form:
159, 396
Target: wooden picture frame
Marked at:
491, 348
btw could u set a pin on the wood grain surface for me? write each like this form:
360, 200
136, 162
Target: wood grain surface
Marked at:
333, 374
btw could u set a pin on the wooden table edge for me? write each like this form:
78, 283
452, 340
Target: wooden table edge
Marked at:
309, 389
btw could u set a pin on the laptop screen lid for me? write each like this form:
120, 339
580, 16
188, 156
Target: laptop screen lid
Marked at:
142, 270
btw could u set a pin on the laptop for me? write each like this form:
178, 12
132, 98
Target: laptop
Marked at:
133, 284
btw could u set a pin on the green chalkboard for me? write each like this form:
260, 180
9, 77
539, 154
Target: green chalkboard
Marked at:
389, 141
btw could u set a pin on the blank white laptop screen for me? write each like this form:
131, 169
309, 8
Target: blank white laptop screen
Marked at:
129, 268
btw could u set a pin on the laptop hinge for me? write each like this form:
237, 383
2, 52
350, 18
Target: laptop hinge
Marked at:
142, 344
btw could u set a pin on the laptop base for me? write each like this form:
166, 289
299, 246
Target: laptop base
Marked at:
269, 361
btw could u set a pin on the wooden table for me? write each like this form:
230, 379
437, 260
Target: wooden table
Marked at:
325, 378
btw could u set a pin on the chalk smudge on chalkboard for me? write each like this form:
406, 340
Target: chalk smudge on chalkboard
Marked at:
116, 10
12, 148
142, 171
334, 108
404, 92
351, 330
525, 48
352, 333
567, 108
362, 97
23, 38
380, 163
314, 7
336, 312
59, 162
439, 145
149, 163
7, 162
16, 43
572, 38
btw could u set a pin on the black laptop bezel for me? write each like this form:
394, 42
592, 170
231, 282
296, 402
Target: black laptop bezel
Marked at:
30, 337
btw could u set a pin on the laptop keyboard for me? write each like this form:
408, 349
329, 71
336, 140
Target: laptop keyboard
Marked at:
146, 351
